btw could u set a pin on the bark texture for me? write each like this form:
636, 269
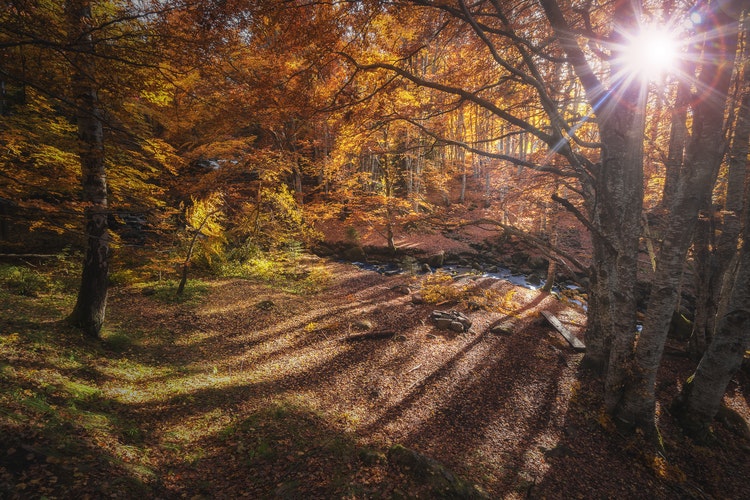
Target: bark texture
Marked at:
700, 399
704, 154
89, 311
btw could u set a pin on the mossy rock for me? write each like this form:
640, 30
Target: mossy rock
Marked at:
442, 482
355, 254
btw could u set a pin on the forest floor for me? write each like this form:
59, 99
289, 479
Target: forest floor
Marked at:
251, 390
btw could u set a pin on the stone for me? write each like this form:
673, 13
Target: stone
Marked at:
534, 279
451, 320
363, 324
437, 259
443, 323
355, 254
504, 328
457, 326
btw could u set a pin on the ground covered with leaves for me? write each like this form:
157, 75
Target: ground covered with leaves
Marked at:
246, 388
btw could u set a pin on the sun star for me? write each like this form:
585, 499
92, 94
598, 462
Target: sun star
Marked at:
651, 53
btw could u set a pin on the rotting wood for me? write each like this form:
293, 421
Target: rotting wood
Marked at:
567, 335
383, 334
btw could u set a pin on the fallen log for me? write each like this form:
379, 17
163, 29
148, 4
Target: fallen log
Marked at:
567, 335
383, 334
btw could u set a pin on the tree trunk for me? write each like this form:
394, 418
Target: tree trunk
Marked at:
700, 399
614, 200
712, 265
704, 154
91, 304
677, 141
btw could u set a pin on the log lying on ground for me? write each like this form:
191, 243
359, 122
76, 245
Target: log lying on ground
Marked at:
383, 334
567, 335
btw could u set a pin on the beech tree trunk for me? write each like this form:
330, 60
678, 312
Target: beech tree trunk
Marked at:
700, 399
713, 257
677, 140
89, 311
703, 156
614, 200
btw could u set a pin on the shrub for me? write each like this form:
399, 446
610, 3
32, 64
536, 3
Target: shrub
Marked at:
23, 281
439, 287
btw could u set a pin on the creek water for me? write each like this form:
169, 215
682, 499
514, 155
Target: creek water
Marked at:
530, 281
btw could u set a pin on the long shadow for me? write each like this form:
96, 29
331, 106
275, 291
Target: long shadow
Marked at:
50, 466
486, 410
230, 333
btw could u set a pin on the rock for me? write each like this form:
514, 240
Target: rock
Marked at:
451, 320
457, 326
417, 299
354, 254
372, 457
443, 323
504, 328
265, 305
442, 482
437, 259
363, 324
534, 279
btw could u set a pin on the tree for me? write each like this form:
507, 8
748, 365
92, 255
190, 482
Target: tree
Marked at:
91, 303
601, 145
91, 61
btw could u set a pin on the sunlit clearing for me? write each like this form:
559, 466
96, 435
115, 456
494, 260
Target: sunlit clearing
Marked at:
652, 53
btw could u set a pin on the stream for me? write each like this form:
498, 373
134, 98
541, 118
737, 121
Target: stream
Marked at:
530, 281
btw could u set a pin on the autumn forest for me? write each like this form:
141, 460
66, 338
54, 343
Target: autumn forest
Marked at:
374, 249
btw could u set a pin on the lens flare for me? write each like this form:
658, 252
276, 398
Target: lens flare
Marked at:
652, 53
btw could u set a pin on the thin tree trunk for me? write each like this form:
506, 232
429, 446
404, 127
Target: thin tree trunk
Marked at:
677, 141
89, 311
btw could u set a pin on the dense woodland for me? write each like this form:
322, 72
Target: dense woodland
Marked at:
145, 140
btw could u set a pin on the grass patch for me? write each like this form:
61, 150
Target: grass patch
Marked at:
291, 443
280, 269
166, 291
21, 280
439, 288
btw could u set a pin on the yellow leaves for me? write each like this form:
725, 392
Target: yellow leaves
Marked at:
205, 215
164, 154
665, 470
158, 97
439, 288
